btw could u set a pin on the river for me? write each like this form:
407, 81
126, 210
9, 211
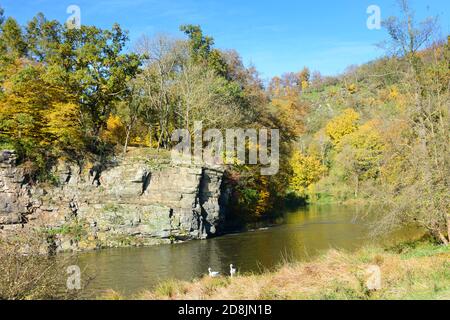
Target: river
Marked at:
304, 234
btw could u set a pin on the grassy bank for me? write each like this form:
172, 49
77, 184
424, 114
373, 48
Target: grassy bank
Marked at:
419, 270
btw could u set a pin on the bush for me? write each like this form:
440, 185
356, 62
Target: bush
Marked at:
28, 273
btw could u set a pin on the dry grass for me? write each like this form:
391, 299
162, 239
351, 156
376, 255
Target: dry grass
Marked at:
111, 295
27, 272
417, 272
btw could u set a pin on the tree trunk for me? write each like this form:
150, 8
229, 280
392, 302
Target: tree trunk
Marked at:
160, 139
150, 133
448, 228
357, 186
127, 138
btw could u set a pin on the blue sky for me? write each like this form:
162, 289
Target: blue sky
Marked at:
276, 36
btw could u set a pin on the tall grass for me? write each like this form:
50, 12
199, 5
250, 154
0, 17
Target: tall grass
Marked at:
419, 270
28, 272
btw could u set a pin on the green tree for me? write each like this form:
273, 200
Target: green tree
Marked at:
100, 71
88, 61
2, 16
60, 85
12, 39
202, 49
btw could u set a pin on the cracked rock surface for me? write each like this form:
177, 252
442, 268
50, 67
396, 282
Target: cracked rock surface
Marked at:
121, 204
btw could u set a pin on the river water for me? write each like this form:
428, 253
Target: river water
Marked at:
304, 234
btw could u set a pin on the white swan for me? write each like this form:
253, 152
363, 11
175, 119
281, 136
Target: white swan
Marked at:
213, 274
233, 270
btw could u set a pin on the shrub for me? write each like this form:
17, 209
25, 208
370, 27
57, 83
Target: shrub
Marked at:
28, 273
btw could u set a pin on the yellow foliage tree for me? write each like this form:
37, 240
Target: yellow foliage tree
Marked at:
115, 130
291, 113
36, 114
344, 124
307, 170
360, 156
63, 123
263, 202
367, 146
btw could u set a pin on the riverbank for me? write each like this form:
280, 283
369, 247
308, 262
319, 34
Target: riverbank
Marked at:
418, 270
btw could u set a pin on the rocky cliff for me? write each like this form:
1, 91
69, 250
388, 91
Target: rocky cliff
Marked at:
129, 202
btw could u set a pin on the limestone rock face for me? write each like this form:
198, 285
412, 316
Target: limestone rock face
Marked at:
14, 196
124, 203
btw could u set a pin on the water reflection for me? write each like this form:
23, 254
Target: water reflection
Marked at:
305, 233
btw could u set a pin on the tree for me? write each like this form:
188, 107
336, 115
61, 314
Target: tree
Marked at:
202, 50
178, 88
291, 111
12, 39
37, 115
361, 154
100, 73
344, 124
408, 36
88, 61
60, 85
45, 40
155, 86
415, 181
307, 170
207, 97
130, 110
304, 78
2, 16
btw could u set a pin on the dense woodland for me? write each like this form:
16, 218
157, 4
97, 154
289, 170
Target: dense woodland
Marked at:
376, 134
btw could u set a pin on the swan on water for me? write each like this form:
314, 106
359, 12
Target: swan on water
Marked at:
213, 274
233, 270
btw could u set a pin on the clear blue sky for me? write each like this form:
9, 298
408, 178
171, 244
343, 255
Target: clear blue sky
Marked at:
276, 36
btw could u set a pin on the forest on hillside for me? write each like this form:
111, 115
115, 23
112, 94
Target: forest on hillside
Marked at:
377, 134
